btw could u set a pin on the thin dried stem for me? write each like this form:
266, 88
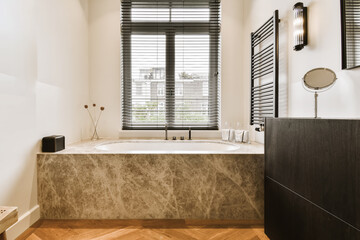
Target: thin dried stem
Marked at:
96, 124
95, 134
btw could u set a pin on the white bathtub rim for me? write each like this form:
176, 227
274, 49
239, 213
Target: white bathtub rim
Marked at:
88, 147
166, 146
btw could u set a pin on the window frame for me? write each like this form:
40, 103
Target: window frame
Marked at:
162, 28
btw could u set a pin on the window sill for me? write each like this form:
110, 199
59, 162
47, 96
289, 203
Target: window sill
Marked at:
159, 134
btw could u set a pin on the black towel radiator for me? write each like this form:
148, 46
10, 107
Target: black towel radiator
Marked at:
265, 71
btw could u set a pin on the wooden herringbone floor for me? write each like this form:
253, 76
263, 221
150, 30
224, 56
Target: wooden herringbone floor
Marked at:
143, 229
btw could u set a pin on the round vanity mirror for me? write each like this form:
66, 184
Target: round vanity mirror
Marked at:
319, 80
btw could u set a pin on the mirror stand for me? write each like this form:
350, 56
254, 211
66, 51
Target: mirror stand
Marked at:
318, 80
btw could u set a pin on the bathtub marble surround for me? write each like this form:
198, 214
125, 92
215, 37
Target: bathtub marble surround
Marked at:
74, 184
92, 146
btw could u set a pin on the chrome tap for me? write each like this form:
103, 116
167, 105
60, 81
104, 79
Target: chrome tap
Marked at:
166, 131
261, 128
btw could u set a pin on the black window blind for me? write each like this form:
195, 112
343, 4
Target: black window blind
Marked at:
170, 64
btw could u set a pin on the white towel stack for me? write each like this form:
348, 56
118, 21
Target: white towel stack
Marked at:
242, 136
232, 135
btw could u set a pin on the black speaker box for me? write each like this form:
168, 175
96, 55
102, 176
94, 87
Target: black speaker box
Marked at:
53, 143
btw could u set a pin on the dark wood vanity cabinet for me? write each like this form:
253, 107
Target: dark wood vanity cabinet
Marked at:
312, 179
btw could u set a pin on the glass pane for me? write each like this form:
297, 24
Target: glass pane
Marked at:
150, 14
190, 14
192, 78
148, 79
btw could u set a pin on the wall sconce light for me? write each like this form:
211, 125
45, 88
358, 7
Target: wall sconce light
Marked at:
300, 26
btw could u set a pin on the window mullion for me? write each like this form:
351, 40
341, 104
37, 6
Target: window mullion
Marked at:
170, 78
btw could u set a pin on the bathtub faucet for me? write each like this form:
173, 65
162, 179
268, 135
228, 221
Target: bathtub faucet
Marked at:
166, 131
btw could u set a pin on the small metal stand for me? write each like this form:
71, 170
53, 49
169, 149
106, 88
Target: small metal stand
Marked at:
316, 104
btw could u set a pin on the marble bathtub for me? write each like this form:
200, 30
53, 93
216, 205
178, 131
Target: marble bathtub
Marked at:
87, 182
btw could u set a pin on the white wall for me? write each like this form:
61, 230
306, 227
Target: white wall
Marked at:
43, 85
239, 18
18, 135
104, 65
324, 50
232, 64
62, 68
104, 50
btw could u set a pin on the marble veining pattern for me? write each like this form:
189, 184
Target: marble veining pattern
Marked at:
151, 186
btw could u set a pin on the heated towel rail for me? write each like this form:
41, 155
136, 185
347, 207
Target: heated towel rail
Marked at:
265, 71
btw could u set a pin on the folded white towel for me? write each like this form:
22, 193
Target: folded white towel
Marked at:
246, 137
232, 135
225, 134
239, 135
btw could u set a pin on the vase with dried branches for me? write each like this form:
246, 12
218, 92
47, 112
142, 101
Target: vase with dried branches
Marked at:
95, 117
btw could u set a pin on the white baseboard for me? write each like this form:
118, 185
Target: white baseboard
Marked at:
24, 222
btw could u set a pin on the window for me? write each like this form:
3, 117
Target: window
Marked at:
205, 87
179, 89
161, 89
170, 64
